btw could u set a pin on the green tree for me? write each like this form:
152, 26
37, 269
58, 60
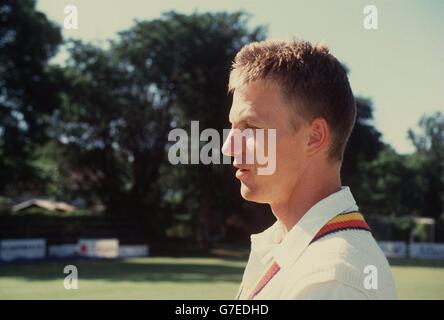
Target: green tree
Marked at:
391, 185
29, 91
193, 53
122, 102
364, 146
113, 129
429, 143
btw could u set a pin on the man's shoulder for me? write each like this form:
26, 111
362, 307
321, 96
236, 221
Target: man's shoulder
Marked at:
353, 249
352, 246
345, 257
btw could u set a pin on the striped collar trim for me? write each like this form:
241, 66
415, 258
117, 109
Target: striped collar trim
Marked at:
345, 221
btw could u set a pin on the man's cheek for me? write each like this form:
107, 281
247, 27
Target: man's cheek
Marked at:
250, 146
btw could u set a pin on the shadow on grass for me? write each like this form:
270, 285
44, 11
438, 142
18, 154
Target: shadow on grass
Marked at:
404, 262
121, 270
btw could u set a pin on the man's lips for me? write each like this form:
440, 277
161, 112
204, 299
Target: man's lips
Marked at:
242, 172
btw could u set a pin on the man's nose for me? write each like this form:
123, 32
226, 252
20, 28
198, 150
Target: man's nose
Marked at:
230, 148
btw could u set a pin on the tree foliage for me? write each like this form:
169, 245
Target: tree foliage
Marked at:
29, 91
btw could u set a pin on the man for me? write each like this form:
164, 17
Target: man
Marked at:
320, 246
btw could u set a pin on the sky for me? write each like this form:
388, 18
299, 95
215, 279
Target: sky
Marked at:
399, 65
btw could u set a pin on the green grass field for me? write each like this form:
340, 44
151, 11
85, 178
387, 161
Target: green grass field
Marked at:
176, 278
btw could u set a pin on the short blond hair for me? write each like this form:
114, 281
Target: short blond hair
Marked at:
311, 79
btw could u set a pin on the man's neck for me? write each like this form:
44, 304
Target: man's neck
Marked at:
306, 195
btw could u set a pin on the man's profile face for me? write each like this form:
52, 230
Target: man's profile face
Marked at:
259, 105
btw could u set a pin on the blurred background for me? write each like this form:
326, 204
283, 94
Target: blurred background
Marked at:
91, 89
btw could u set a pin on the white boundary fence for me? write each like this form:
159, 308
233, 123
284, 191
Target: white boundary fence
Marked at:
36, 249
417, 250
393, 249
22, 249
426, 250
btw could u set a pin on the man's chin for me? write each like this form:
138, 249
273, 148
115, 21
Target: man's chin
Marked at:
251, 194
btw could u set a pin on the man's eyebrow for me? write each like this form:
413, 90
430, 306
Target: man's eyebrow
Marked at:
246, 119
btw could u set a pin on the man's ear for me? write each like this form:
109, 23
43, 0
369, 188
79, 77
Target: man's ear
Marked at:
318, 136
